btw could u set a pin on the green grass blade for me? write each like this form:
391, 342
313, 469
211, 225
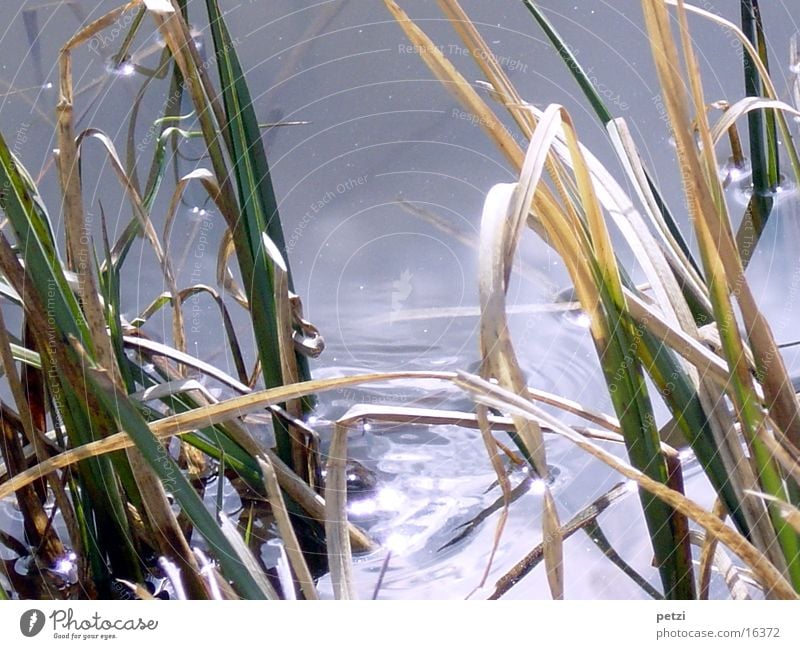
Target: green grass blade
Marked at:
684, 404
629, 395
259, 212
32, 230
129, 419
763, 138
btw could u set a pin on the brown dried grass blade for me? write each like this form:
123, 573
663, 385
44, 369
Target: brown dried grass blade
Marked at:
504, 216
340, 556
79, 254
707, 554
454, 81
143, 217
286, 529
553, 546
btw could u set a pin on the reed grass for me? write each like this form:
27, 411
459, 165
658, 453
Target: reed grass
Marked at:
633, 335
78, 346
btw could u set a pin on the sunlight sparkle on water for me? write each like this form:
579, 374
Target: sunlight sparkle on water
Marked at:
66, 567
197, 214
386, 500
124, 69
537, 487
578, 317
398, 543
390, 499
363, 507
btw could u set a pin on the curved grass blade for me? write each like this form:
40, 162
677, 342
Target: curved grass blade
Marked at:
605, 116
227, 322
504, 217
145, 226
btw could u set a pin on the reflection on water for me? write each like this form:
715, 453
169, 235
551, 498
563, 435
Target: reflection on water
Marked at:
66, 567
387, 499
784, 193
122, 69
735, 173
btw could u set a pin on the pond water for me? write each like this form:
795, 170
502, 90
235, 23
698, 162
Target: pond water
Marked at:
385, 144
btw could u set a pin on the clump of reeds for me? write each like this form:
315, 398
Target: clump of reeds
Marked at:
96, 402
722, 377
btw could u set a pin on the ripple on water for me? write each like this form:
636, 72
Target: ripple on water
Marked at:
742, 192
9, 511
434, 479
735, 174
563, 360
